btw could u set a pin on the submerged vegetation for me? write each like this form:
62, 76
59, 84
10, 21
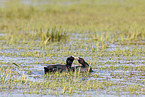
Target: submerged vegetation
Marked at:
109, 34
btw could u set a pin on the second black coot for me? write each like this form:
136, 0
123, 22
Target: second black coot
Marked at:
84, 68
60, 67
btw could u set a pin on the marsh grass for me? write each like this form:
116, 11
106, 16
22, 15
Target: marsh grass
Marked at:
33, 35
26, 30
53, 34
60, 83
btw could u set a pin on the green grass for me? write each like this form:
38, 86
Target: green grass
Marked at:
42, 36
47, 33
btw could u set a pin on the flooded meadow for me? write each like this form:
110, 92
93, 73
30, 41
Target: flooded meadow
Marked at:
108, 34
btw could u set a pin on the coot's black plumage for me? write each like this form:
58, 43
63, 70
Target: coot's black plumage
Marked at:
84, 68
60, 67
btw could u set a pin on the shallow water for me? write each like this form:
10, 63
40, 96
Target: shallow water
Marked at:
80, 44
35, 71
93, 94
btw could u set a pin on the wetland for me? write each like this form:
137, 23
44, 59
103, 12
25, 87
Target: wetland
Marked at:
108, 34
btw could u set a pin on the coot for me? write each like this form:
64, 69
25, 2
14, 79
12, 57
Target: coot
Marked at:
84, 68
60, 67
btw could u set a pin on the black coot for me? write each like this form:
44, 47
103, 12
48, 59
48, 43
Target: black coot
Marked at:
60, 67
84, 68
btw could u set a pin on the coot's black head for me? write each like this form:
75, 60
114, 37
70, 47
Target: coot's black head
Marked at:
82, 62
69, 61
